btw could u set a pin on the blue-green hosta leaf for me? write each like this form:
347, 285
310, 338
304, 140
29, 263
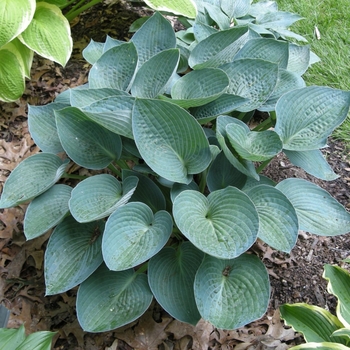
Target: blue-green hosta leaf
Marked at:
12, 74
262, 181
170, 140
110, 42
277, 217
201, 31
110, 299
231, 293
113, 113
316, 324
48, 34
286, 81
338, 285
189, 91
226, 103
134, 234
261, 7
251, 78
312, 162
46, 211
218, 48
15, 16
155, 35
217, 15
11, 338
115, 68
32, 177
307, 116
73, 253
64, 96
299, 58
318, 212
98, 196
224, 224
275, 51
84, 97
86, 143
244, 166
146, 191
235, 8
288, 34
277, 19
222, 174
93, 51
253, 145
186, 8
177, 188
171, 276
154, 75
42, 126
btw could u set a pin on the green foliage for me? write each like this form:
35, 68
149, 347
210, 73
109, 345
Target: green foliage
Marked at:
320, 328
175, 185
27, 26
15, 339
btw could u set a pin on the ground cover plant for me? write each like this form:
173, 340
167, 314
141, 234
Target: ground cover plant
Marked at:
320, 328
174, 185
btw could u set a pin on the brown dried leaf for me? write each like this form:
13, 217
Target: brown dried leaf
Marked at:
147, 334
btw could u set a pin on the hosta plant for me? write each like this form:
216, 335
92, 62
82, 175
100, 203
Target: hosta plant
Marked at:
28, 26
320, 328
150, 173
16, 339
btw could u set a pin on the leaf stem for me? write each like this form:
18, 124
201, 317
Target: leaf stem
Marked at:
73, 176
76, 10
122, 164
115, 170
203, 181
266, 124
142, 268
68, 3
263, 165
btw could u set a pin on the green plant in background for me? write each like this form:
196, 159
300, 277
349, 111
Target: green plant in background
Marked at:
27, 26
15, 339
320, 328
174, 186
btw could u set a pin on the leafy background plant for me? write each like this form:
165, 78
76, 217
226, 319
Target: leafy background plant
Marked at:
147, 122
320, 328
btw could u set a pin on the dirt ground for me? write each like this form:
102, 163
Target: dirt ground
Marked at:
295, 277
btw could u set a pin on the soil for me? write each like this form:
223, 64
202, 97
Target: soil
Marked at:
294, 277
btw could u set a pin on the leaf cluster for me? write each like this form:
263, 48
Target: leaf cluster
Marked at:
174, 185
27, 26
15, 339
320, 328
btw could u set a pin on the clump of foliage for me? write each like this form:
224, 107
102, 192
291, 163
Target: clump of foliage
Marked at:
174, 185
320, 328
16, 339
27, 26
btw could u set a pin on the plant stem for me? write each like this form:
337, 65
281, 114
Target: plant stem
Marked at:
266, 124
263, 165
142, 268
122, 164
203, 181
77, 11
72, 176
114, 170
68, 3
